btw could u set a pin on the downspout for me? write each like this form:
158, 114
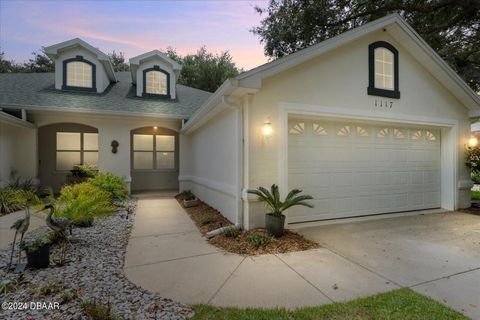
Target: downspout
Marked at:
239, 156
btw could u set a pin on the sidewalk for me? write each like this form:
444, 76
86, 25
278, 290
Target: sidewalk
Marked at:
167, 254
6, 221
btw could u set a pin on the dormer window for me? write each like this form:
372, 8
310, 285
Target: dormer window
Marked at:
156, 82
79, 74
154, 75
383, 70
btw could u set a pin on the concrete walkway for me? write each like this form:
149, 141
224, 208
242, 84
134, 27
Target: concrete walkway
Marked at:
437, 255
6, 221
167, 254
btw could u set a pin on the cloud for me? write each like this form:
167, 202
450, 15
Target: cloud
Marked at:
135, 27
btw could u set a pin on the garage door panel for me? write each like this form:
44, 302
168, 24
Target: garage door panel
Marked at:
358, 169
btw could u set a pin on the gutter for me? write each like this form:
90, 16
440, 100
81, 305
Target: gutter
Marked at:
7, 118
209, 107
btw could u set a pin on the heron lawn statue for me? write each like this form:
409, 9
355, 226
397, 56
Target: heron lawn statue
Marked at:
59, 225
20, 226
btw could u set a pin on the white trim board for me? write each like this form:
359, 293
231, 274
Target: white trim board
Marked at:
229, 190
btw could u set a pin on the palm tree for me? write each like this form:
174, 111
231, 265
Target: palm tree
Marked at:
275, 220
275, 205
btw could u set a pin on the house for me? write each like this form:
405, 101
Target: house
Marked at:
51, 122
369, 122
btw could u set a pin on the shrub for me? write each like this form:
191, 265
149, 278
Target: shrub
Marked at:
476, 178
68, 296
231, 232
271, 199
206, 220
35, 243
97, 311
82, 203
50, 288
84, 171
26, 185
12, 199
259, 239
114, 185
472, 159
188, 195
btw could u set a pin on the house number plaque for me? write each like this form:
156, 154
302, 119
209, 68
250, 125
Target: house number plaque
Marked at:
379, 103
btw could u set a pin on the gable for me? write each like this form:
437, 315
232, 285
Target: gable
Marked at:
340, 78
394, 26
77, 50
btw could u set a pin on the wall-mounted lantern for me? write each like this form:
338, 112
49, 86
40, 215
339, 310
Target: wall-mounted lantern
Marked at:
114, 145
472, 142
267, 129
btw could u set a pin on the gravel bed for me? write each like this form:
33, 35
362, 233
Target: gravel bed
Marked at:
94, 271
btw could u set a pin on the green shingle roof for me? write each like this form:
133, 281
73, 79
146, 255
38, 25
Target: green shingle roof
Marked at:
35, 91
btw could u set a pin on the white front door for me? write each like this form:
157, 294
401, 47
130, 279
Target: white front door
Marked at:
354, 169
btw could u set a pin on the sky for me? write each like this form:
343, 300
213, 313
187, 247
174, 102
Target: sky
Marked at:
134, 27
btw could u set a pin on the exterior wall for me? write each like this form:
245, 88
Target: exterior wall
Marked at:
210, 162
337, 82
109, 129
17, 152
102, 79
164, 66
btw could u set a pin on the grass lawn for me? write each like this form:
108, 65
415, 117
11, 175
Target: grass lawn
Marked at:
398, 304
475, 195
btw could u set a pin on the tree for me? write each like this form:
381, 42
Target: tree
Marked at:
7, 66
204, 70
39, 63
118, 61
450, 27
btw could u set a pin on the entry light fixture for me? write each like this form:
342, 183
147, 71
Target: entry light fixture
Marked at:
472, 142
155, 128
267, 129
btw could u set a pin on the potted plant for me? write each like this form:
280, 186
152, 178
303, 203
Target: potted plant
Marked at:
275, 219
38, 251
189, 199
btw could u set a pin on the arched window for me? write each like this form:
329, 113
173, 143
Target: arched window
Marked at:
383, 70
156, 82
78, 74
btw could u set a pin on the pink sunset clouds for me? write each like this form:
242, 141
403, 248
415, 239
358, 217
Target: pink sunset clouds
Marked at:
134, 27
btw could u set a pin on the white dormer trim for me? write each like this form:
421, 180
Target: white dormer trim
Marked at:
54, 51
154, 60
136, 61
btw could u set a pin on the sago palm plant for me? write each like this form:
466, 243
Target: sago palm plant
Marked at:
271, 199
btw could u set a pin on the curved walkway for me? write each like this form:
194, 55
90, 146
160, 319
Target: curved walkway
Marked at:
437, 255
168, 255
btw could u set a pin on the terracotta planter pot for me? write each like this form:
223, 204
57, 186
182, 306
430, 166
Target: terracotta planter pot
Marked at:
274, 224
191, 203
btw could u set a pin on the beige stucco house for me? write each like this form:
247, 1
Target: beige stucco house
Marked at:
369, 122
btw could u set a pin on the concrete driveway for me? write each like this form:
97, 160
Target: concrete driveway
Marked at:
437, 255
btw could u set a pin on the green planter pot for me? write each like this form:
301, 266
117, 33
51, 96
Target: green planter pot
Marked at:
39, 258
274, 224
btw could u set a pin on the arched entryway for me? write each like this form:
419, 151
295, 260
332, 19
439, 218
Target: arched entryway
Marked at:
60, 147
154, 159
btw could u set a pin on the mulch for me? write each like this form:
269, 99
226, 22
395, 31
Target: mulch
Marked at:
472, 210
289, 242
203, 211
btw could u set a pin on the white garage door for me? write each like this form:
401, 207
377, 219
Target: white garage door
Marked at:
354, 169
